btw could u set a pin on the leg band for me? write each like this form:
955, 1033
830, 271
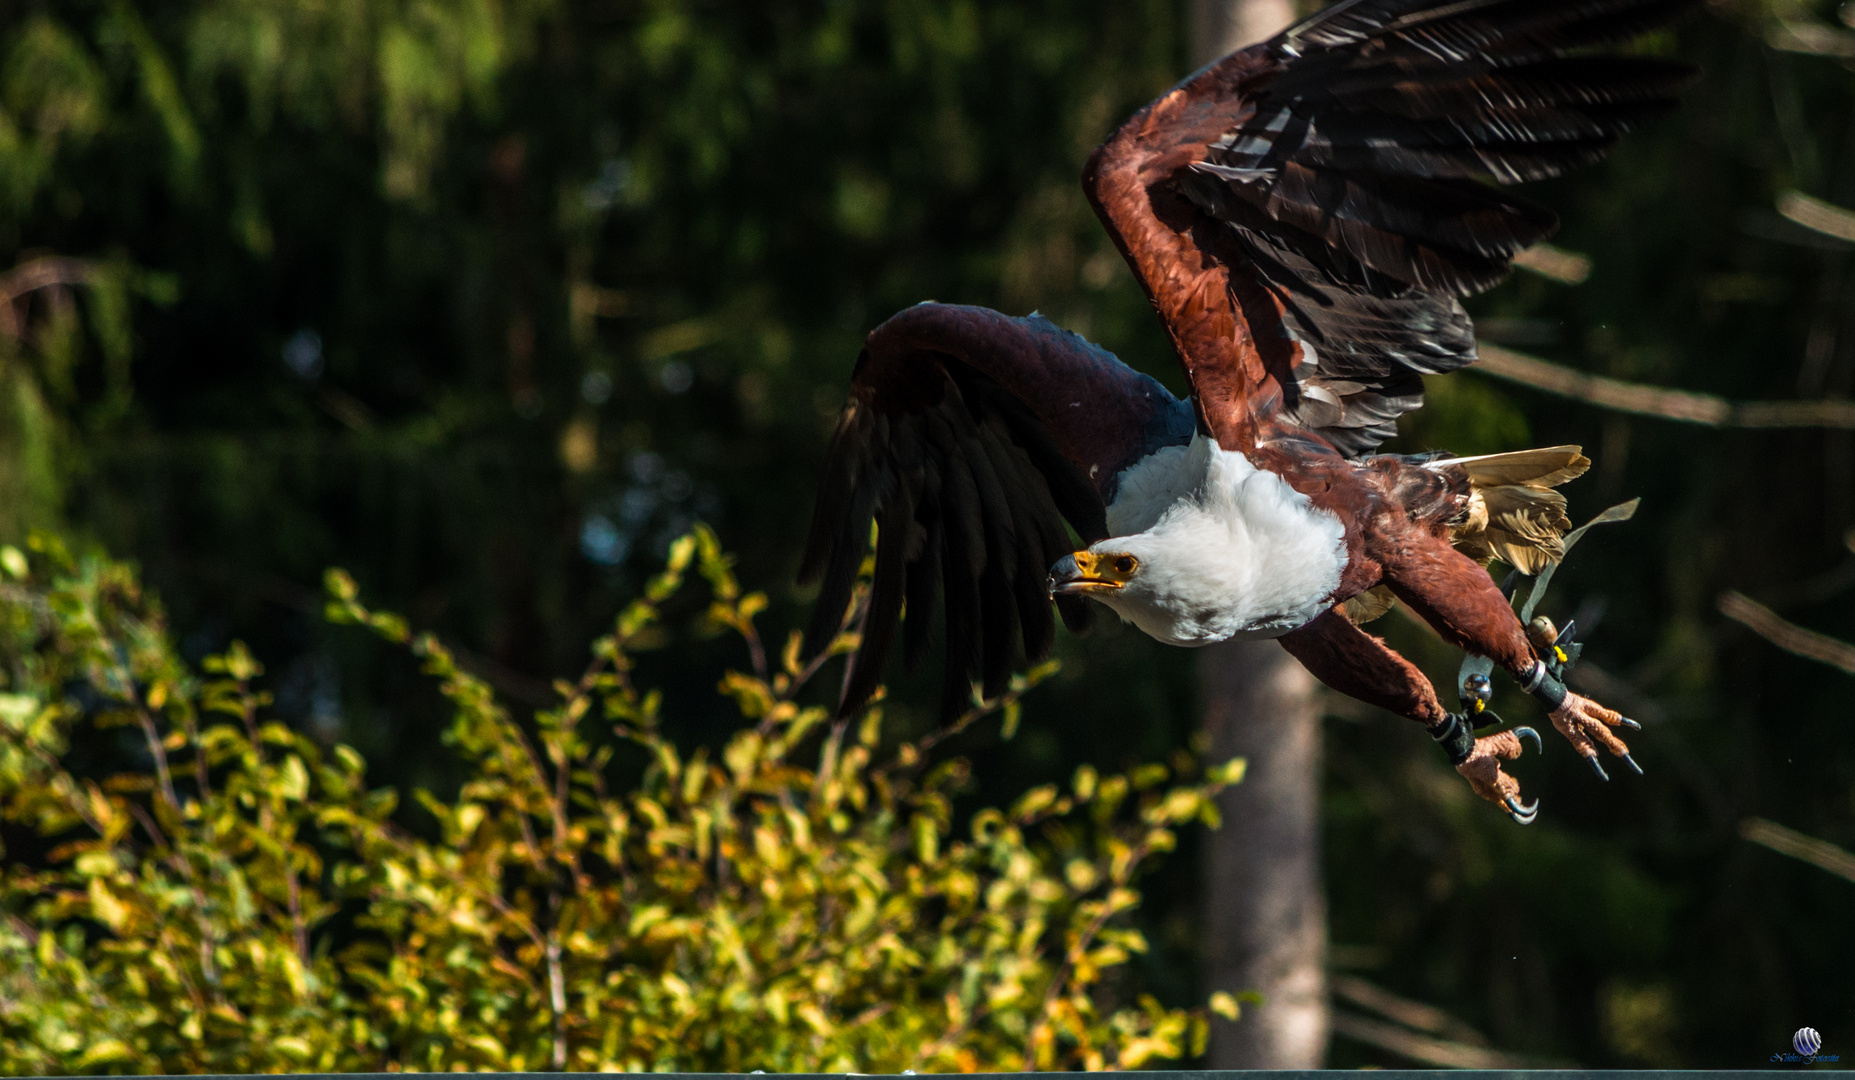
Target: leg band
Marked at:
1456, 737
1543, 686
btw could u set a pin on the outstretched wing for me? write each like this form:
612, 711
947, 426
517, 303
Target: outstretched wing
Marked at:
1306, 213
971, 438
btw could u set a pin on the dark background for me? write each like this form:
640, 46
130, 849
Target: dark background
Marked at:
486, 300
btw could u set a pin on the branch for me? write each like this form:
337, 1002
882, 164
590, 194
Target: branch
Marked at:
31, 276
1813, 39
1556, 264
42, 273
1817, 215
1790, 637
1691, 408
1412, 1014
1818, 853
1441, 1052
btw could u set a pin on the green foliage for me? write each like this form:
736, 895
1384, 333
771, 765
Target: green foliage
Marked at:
595, 896
53, 95
397, 70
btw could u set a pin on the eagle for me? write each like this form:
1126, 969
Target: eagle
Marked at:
1305, 216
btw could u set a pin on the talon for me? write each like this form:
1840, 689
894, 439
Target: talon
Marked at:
1525, 733
1628, 723
1522, 814
1599, 769
1631, 762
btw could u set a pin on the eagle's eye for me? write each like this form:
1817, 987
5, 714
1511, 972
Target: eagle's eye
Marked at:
1125, 565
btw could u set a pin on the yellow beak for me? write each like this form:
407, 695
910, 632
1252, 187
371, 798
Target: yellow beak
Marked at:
1080, 573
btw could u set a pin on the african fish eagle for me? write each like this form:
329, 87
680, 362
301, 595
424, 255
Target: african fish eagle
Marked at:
1304, 215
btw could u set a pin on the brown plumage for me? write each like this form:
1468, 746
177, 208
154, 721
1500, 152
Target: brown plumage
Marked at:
1305, 215
1511, 515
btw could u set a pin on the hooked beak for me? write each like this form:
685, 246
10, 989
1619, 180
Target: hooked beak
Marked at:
1078, 574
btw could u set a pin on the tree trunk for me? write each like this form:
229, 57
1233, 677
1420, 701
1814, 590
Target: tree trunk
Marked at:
1265, 911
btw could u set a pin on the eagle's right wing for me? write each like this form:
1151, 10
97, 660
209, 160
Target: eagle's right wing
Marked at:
1306, 212
971, 438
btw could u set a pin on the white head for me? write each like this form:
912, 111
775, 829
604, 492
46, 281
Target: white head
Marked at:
1236, 553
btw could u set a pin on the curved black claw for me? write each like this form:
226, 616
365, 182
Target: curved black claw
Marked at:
1598, 769
1525, 733
1522, 814
1628, 723
1631, 762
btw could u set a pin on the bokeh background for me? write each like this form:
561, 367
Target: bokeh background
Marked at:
486, 300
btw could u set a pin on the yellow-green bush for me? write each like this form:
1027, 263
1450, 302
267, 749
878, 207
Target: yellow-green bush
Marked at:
800, 900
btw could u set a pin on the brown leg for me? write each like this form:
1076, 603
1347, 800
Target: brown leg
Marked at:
1457, 597
1452, 593
1359, 665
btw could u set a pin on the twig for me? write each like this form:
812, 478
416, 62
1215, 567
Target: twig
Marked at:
1817, 215
209, 936
1557, 264
32, 276
556, 982
852, 614
299, 927
41, 273
935, 738
1790, 637
147, 822
1813, 39
862, 617
155, 747
1818, 853
201, 779
756, 652
1678, 405
1412, 1014
1449, 1055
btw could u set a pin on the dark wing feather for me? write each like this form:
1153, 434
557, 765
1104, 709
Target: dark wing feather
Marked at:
975, 442
1343, 167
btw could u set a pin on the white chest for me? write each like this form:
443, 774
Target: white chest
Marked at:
1226, 549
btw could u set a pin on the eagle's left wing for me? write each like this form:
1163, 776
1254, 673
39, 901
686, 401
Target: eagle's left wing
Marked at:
975, 441
1306, 213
